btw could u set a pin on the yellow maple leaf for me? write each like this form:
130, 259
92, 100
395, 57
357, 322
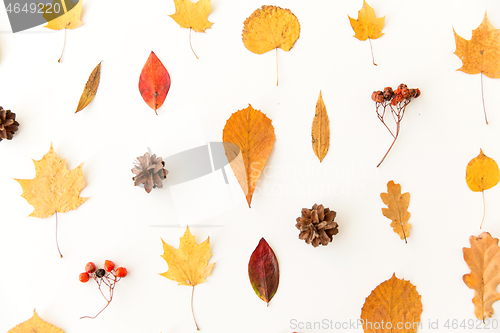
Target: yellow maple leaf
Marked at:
397, 209
192, 16
54, 188
480, 54
188, 265
71, 19
482, 173
269, 28
35, 324
368, 25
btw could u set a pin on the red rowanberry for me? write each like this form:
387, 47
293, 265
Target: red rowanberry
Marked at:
90, 267
109, 265
84, 277
121, 272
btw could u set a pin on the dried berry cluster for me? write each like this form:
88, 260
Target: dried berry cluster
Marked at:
396, 101
106, 276
402, 93
316, 225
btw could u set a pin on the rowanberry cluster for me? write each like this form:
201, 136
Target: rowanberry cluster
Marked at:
106, 276
402, 93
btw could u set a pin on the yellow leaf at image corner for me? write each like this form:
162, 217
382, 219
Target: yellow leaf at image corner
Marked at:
69, 20
482, 173
397, 209
193, 15
368, 25
480, 54
35, 324
188, 265
270, 27
54, 188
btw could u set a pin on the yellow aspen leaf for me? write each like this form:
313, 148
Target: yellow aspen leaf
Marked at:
397, 209
90, 88
252, 136
483, 259
482, 174
193, 16
71, 19
368, 25
188, 265
320, 130
480, 54
35, 324
270, 28
54, 188
394, 306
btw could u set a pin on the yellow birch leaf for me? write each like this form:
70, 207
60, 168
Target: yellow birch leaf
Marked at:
90, 88
397, 209
480, 54
320, 130
252, 136
483, 259
188, 265
394, 306
35, 324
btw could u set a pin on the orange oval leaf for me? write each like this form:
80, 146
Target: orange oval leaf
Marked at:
154, 82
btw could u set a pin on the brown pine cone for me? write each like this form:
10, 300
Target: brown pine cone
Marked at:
316, 225
8, 124
149, 171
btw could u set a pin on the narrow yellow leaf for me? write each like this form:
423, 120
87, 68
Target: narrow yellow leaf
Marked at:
320, 130
90, 88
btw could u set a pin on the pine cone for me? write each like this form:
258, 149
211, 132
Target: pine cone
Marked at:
149, 171
8, 124
316, 225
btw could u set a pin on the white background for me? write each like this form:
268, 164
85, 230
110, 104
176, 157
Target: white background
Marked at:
442, 131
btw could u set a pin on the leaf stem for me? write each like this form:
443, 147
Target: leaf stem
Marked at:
277, 78
371, 49
64, 45
192, 311
484, 210
482, 96
57, 243
190, 29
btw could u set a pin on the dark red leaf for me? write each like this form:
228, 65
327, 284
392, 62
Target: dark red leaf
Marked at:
263, 271
154, 82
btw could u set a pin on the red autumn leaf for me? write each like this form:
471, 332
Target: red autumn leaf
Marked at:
263, 271
154, 82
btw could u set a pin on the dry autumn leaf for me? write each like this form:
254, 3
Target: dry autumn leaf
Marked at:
394, 306
320, 130
193, 16
252, 135
154, 82
55, 189
188, 265
482, 174
264, 272
71, 19
35, 324
269, 28
480, 54
483, 259
397, 209
367, 26
90, 88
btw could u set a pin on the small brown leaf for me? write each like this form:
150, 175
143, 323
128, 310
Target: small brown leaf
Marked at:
397, 209
394, 306
252, 132
320, 130
483, 259
90, 88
